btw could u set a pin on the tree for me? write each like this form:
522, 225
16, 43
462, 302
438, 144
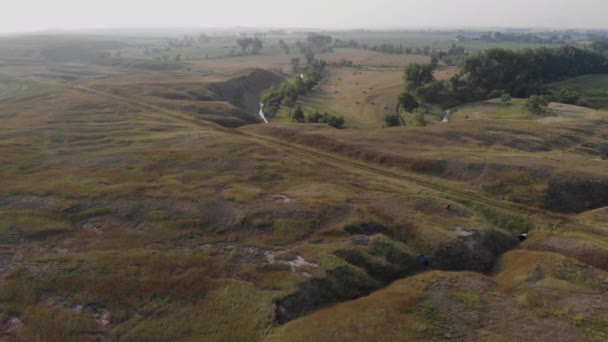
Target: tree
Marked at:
335, 121
310, 56
505, 98
298, 115
569, 96
314, 117
417, 75
434, 61
599, 44
319, 43
392, 120
419, 119
203, 38
408, 102
536, 104
494, 94
244, 44
284, 46
257, 46
295, 64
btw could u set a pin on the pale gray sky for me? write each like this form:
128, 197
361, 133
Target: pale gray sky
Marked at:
30, 15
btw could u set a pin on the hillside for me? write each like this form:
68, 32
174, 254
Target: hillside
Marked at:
153, 206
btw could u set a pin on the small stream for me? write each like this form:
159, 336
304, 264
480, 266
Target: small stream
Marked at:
262, 113
446, 117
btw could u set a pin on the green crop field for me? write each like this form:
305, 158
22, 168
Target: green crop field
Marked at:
593, 89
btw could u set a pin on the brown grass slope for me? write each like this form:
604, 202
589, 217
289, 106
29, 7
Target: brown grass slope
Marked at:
126, 215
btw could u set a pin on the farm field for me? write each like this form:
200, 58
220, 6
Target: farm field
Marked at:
146, 200
360, 96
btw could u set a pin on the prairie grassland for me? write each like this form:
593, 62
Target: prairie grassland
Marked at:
126, 215
113, 189
440, 305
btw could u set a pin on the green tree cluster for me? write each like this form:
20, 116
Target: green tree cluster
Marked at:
536, 104
332, 120
392, 120
287, 94
496, 71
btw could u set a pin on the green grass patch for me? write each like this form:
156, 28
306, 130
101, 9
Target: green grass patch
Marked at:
93, 212
242, 194
32, 224
466, 297
157, 215
513, 223
235, 311
285, 231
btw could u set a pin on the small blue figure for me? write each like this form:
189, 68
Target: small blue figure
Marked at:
423, 260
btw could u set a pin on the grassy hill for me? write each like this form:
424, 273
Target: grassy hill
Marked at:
133, 208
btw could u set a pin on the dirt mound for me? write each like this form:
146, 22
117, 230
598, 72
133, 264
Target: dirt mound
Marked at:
584, 251
244, 91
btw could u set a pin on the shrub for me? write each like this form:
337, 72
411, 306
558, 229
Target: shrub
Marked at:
298, 115
505, 98
494, 94
332, 120
392, 120
419, 119
408, 102
536, 104
568, 96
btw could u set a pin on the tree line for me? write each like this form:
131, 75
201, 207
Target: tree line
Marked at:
496, 71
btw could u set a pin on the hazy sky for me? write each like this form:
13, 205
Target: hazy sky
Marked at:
29, 15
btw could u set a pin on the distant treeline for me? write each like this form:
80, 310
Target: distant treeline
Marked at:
518, 73
384, 48
525, 38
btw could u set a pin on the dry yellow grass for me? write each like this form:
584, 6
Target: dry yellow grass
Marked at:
129, 203
361, 96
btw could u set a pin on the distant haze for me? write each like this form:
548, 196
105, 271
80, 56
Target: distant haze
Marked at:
35, 15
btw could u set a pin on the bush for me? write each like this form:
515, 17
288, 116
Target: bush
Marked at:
335, 121
419, 119
505, 98
298, 115
392, 120
536, 104
408, 102
568, 96
332, 120
494, 94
